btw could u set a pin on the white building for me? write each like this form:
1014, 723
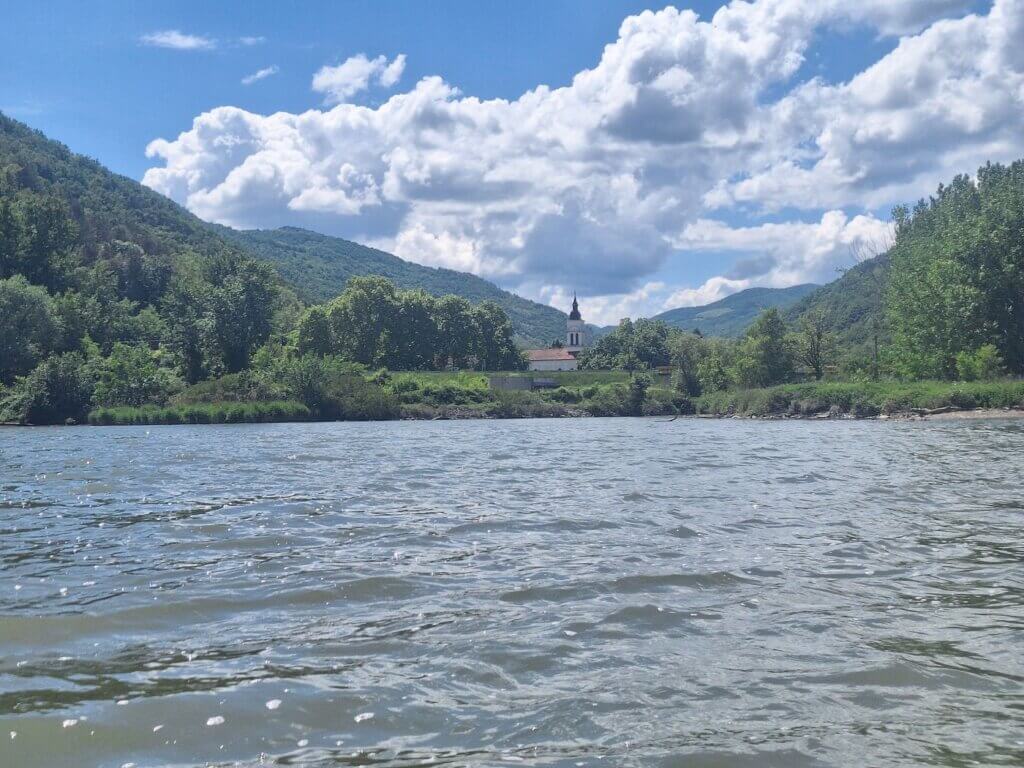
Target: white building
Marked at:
563, 358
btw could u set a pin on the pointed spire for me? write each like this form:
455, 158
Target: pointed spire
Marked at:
575, 314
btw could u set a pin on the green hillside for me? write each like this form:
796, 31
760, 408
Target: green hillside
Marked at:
319, 266
849, 304
104, 206
731, 316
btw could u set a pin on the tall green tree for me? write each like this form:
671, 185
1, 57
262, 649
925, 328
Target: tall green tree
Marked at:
240, 308
28, 328
957, 275
130, 376
363, 319
814, 345
456, 331
495, 342
416, 335
763, 358
631, 346
314, 333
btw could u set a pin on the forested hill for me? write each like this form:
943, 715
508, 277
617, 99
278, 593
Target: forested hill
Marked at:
851, 305
732, 315
319, 266
103, 205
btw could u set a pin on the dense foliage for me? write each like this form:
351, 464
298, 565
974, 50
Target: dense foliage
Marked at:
944, 300
118, 306
956, 284
631, 346
375, 324
862, 399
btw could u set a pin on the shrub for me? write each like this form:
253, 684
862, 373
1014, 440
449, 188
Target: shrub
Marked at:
246, 386
609, 400
352, 398
431, 390
638, 387
59, 390
204, 413
521, 405
981, 364
662, 402
564, 395
131, 376
27, 326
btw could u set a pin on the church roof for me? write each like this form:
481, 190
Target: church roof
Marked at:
575, 314
549, 355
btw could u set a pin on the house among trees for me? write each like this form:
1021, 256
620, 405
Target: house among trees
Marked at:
562, 357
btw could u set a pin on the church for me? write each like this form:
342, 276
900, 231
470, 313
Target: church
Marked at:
562, 358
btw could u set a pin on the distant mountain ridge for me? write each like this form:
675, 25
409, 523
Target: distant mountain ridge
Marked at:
318, 267
731, 316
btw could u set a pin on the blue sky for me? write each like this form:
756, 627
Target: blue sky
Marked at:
689, 160
78, 72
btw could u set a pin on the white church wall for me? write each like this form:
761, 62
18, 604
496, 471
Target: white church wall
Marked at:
553, 365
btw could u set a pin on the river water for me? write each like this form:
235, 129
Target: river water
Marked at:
589, 592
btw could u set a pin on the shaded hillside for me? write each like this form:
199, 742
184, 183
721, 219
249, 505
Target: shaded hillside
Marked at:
319, 266
849, 303
731, 316
104, 205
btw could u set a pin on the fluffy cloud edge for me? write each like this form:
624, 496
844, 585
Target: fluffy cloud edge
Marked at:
341, 82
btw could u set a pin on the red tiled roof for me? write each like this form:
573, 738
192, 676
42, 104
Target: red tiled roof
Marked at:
555, 353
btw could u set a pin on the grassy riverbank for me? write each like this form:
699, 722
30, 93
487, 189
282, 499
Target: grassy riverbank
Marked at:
386, 396
862, 399
202, 413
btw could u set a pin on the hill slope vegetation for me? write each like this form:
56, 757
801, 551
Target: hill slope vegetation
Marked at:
732, 315
319, 267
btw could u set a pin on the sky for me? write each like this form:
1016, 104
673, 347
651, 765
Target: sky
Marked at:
643, 156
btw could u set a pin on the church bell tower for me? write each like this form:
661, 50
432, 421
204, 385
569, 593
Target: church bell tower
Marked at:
575, 329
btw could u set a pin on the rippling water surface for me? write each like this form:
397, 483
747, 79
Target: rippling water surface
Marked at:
622, 592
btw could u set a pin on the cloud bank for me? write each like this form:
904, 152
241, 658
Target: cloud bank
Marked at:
689, 137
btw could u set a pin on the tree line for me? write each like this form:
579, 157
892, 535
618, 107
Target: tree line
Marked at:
379, 326
769, 353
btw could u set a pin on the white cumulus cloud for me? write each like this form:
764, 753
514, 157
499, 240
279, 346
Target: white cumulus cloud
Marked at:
688, 136
355, 74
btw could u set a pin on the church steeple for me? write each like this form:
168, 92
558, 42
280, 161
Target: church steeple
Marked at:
575, 314
575, 329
